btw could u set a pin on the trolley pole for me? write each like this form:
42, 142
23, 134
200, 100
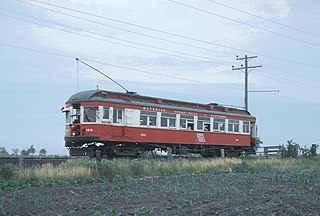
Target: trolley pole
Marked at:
245, 68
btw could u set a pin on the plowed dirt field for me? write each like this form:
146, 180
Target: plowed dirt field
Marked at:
266, 193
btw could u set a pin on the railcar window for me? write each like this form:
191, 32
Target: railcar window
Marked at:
168, 120
246, 127
90, 114
148, 118
152, 120
219, 124
187, 122
200, 125
68, 119
183, 123
164, 122
117, 116
143, 120
75, 115
203, 123
233, 126
106, 112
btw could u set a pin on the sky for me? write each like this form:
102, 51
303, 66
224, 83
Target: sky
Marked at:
172, 49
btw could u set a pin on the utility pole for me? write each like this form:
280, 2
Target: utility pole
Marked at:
246, 67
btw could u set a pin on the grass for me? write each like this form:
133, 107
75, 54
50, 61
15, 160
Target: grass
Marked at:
183, 187
73, 170
88, 170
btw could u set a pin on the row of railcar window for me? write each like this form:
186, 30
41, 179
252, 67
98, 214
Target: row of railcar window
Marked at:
167, 120
187, 122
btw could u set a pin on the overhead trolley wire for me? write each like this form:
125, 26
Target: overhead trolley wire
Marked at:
136, 25
301, 76
285, 80
35, 50
127, 30
264, 18
117, 66
243, 23
176, 35
182, 55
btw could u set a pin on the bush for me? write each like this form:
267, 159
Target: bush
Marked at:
291, 150
313, 150
305, 152
8, 172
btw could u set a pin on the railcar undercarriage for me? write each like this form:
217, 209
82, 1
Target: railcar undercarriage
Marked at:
136, 149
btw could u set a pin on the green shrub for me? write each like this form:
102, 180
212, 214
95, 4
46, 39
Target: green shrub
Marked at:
108, 169
291, 150
8, 171
137, 169
313, 150
241, 167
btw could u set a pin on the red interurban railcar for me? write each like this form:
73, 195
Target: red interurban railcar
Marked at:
126, 124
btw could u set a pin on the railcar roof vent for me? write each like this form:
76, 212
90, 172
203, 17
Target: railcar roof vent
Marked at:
214, 104
132, 92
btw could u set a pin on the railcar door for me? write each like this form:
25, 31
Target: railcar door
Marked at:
118, 129
118, 116
72, 120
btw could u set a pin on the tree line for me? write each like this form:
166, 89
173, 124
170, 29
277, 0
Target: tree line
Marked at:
294, 150
24, 152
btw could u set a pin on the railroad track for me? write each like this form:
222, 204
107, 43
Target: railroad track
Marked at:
32, 161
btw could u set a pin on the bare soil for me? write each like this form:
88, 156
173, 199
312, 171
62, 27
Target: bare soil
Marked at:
208, 193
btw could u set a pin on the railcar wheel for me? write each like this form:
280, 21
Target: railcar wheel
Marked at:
84, 151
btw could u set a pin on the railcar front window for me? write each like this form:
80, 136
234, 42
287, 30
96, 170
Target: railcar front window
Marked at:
90, 114
68, 119
75, 115
246, 127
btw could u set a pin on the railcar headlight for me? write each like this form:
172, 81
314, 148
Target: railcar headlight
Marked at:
73, 133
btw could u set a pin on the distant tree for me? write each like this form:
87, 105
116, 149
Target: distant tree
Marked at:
305, 152
42, 152
3, 151
15, 152
291, 149
258, 142
313, 150
31, 150
24, 152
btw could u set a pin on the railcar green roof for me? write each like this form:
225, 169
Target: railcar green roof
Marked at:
90, 95
83, 96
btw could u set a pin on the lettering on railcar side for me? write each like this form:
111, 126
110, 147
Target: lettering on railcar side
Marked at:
154, 109
201, 137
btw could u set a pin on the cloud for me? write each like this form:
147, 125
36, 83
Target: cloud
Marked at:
273, 8
160, 15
